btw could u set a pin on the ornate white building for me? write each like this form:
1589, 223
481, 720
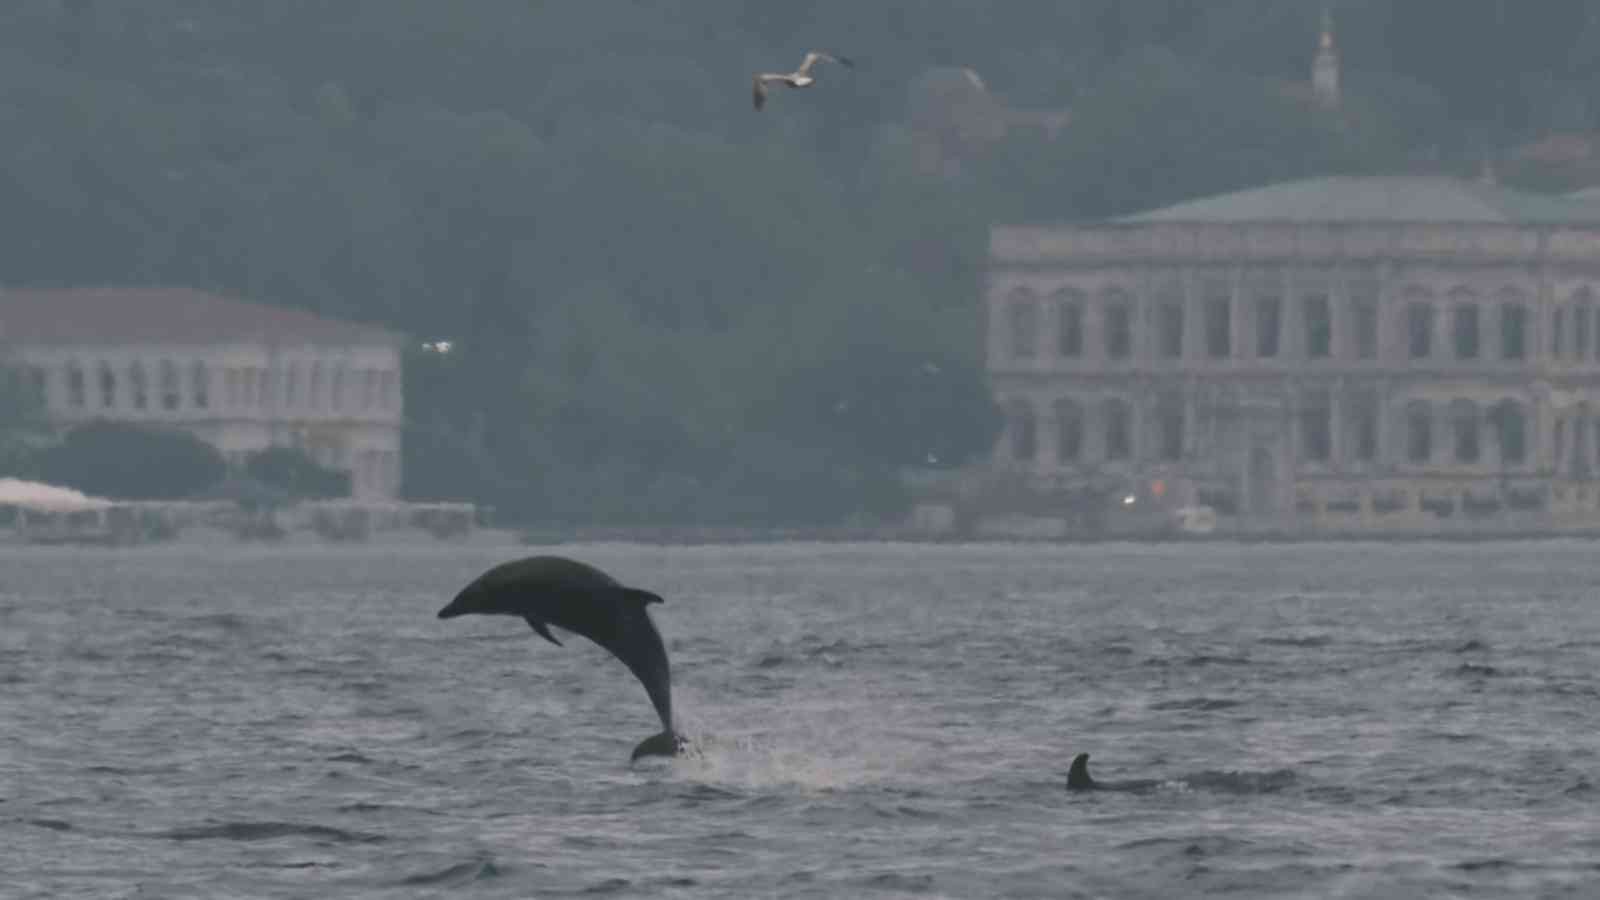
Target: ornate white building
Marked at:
241, 376
1344, 353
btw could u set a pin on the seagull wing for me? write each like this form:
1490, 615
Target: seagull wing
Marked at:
759, 91
816, 56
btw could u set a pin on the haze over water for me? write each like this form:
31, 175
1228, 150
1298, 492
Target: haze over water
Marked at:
883, 720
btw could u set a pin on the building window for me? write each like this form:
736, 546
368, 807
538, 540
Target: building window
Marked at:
136, 383
369, 389
1364, 317
169, 385
1318, 326
1560, 443
77, 387
1022, 309
1069, 430
1169, 428
1119, 329
1464, 424
1219, 323
1510, 429
1363, 424
1069, 334
1024, 432
1579, 347
1513, 330
1269, 313
1419, 431
336, 388
200, 383
108, 386
1557, 326
1118, 438
1316, 419
1169, 324
291, 385
1419, 329
391, 393
1466, 330
314, 392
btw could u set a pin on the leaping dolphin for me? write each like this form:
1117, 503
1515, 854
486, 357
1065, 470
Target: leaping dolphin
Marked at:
576, 597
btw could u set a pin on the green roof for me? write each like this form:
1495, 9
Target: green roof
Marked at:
1380, 198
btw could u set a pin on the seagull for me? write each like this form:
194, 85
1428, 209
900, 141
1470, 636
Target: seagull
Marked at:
799, 78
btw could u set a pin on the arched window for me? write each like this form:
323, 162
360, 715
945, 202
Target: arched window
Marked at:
169, 385
138, 385
1022, 313
1069, 323
108, 386
1069, 430
200, 383
1419, 431
1024, 431
1464, 426
77, 386
1119, 443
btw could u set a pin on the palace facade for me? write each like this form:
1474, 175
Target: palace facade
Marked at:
1358, 354
241, 376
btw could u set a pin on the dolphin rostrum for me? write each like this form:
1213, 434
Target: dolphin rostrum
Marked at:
576, 597
1078, 779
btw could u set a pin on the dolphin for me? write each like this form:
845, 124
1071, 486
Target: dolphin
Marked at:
577, 597
1078, 779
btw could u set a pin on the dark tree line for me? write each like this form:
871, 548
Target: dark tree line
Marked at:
666, 307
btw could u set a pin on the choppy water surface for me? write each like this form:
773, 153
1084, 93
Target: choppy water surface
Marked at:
1346, 720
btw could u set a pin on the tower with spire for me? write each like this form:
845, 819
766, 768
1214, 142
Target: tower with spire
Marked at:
1325, 68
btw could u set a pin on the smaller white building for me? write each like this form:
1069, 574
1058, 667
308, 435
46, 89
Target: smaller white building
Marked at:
242, 376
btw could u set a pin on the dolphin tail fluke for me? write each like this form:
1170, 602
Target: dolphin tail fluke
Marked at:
667, 743
1078, 776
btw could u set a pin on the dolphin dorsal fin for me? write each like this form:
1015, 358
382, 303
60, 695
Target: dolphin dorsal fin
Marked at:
1078, 776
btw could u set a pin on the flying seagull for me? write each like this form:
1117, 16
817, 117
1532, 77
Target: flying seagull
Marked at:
799, 78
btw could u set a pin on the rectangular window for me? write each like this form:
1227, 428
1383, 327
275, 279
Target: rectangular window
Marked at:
1170, 327
1419, 330
1513, 331
1024, 331
1316, 435
1071, 333
1466, 331
1557, 326
1318, 325
1269, 312
1580, 332
1219, 327
1365, 313
1119, 331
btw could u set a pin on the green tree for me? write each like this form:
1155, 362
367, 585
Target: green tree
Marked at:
120, 461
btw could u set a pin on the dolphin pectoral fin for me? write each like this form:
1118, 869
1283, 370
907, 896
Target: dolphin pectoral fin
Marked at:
543, 629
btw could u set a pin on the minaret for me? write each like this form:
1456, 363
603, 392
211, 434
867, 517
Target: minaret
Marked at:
1325, 68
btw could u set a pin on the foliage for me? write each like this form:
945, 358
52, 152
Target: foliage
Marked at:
291, 470
131, 462
664, 306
